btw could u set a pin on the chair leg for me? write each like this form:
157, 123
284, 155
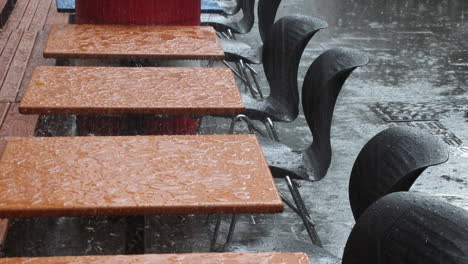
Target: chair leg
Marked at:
232, 35
291, 205
215, 233
239, 75
254, 74
225, 35
303, 213
252, 127
271, 129
232, 228
252, 90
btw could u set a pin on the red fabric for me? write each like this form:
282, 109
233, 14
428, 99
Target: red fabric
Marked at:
173, 126
98, 125
138, 12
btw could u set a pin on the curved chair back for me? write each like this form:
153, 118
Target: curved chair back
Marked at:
390, 162
281, 56
246, 24
266, 16
409, 228
322, 85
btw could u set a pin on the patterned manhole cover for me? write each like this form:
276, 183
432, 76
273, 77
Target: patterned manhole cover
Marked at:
425, 111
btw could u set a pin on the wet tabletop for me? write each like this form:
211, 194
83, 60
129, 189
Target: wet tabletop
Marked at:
78, 176
127, 41
200, 258
119, 90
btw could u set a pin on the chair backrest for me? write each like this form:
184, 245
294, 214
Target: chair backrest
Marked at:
390, 162
409, 228
266, 16
247, 22
322, 85
281, 56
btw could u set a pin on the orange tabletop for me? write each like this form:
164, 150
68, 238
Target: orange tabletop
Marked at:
108, 90
196, 258
127, 41
78, 176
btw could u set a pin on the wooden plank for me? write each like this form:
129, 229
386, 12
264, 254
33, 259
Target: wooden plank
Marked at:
28, 15
141, 175
6, 7
14, 77
127, 41
54, 17
3, 112
40, 17
17, 14
8, 54
16, 125
3, 222
35, 60
4, 36
134, 90
212, 258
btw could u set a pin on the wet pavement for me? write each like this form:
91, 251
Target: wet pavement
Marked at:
417, 76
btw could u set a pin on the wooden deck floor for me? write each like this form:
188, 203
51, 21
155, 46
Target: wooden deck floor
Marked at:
22, 40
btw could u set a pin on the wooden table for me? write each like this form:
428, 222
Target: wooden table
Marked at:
90, 176
119, 90
126, 41
212, 258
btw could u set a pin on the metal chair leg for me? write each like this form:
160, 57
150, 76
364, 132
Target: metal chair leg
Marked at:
210, 63
271, 129
254, 74
232, 35
291, 205
252, 127
246, 81
303, 213
252, 90
215, 233
232, 227
207, 219
226, 35
235, 72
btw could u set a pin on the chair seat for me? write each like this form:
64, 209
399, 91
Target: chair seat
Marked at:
285, 161
236, 50
221, 23
259, 110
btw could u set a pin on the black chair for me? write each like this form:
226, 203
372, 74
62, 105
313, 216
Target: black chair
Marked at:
322, 85
406, 228
243, 54
281, 56
402, 227
230, 6
391, 162
321, 88
230, 26
267, 10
